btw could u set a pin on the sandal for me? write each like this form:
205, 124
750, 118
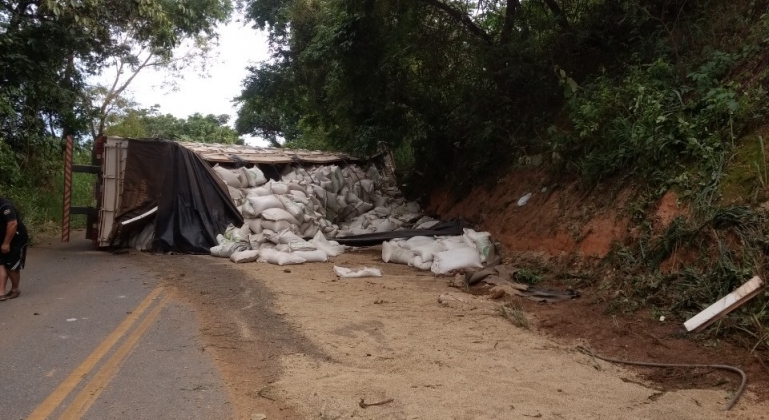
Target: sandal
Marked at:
12, 294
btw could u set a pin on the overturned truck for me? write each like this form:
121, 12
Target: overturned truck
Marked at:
273, 205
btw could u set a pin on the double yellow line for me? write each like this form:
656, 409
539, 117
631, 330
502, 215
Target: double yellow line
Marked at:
83, 401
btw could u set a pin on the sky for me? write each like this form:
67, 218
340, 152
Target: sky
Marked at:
238, 47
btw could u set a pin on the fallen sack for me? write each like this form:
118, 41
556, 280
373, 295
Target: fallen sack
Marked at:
362, 272
279, 258
312, 256
244, 256
332, 249
393, 253
455, 259
228, 248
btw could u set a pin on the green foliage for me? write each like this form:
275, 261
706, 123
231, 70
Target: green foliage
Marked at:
144, 123
38, 189
654, 125
464, 85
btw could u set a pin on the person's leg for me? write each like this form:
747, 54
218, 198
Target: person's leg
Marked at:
15, 276
14, 272
3, 279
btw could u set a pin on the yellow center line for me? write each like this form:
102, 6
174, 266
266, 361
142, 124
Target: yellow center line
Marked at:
102, 378
62, 391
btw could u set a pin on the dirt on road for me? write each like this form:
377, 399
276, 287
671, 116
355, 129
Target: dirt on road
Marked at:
296, 342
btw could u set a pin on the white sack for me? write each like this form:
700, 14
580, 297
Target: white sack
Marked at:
387, 226
331, 248
456, 242
294, 209
302, 246
235, 194
367, 185
229, 177
482, 241
244, 256
275, 226
446, 261
277, 187
421, 264
254, 225
247, 210
278, 215
311, 231
256, 240
255, 177
279, 258
312, 256
283, 237
426, 252
235, 234
417, 241
362, 272
260, 204
395, 254
227, 249
258, 192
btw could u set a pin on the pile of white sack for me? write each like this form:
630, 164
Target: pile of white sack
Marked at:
442, 254
294, 220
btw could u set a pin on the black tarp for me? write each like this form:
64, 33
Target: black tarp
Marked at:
451, 228
193, 203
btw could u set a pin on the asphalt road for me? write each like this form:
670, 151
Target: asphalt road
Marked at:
94, 336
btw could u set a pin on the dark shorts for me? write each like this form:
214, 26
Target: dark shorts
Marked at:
15, 259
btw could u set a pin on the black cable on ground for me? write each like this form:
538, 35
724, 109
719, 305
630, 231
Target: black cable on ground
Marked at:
737, 370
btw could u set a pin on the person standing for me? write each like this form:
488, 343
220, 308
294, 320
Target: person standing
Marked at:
13, 251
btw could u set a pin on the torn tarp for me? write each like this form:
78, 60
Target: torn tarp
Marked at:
451, 228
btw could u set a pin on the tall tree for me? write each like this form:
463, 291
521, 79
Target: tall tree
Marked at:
49, 47
189, 26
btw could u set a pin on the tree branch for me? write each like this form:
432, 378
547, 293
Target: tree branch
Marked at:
460, 17
115, 92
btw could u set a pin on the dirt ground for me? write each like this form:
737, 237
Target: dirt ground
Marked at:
296, 342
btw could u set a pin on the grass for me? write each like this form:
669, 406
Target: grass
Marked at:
746, 178
526, 276
515, 314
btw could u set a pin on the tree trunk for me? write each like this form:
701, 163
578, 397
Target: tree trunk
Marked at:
510, 12
560, 17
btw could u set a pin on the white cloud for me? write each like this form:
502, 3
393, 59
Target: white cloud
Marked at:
239, 46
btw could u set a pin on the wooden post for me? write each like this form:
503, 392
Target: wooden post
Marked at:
65, 219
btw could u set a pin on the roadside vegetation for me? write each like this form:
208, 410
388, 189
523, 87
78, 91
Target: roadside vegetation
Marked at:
649, 95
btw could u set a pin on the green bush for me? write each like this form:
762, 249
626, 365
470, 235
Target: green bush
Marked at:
37, 187
652, 124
